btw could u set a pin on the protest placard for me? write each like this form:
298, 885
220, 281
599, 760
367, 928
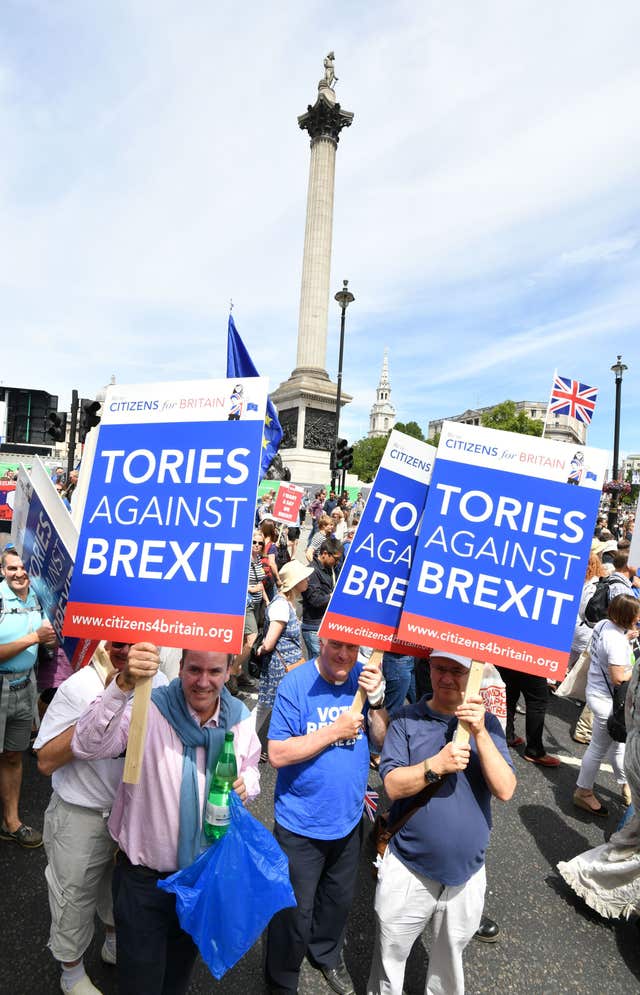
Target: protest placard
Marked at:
7, 499
165, 540
503, 548
46, 539
286, 506
367, 600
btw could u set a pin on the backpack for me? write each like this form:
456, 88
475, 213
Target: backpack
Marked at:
268, 572
597, 605
282, 551
616, 725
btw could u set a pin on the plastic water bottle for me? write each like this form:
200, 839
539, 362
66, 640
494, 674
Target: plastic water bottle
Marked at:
217, 815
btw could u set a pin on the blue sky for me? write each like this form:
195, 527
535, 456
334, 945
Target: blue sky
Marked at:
487, 209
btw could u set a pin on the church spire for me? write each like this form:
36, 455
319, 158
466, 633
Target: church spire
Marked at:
383, 414
384, 376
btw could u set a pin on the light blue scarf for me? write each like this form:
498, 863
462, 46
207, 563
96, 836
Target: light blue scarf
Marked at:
170, 702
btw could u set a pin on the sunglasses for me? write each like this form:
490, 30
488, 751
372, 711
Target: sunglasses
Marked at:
119, 646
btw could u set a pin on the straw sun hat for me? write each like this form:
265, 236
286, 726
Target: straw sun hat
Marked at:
293, 573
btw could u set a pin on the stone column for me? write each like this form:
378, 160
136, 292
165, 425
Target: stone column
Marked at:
306, 402
316, 264
324, 122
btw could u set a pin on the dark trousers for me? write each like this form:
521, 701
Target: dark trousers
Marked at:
323, 876
155, 956
400, 677
535, 692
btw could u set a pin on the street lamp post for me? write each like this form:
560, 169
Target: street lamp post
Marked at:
344, 297
619, 369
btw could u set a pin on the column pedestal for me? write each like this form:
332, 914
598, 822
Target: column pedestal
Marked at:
307, 411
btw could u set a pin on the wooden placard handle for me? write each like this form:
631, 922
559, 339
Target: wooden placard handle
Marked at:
462, 733
360, 697
137, 730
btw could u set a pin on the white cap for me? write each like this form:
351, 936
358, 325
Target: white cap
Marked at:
464, 661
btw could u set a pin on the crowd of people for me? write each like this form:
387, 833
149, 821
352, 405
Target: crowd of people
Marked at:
325, 715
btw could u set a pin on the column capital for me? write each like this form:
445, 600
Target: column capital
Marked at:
325, 118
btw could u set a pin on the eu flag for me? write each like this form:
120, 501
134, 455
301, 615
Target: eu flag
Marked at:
240, 364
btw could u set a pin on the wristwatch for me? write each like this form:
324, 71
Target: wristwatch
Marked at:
430, 776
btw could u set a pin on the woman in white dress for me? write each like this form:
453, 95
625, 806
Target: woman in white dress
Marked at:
610, 665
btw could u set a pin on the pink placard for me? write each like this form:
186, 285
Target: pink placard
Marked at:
287, 503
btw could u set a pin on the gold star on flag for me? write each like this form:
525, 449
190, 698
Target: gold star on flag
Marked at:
267, 420
264, 442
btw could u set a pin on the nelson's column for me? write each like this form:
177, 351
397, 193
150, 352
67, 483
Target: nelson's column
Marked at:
306, 402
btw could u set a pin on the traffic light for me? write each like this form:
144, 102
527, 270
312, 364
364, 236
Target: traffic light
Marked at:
89, 417
344, 455
57, 430
27, 414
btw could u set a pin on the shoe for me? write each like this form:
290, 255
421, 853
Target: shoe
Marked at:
83, 987
626, 794
27, 837
580, 802
581, 739
515, 741
245, 683
487, 931
108, 956
338, 978
544, 761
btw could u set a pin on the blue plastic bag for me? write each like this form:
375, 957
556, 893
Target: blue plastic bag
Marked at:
226, 897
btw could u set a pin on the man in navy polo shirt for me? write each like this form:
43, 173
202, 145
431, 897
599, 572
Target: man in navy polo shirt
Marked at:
433, 869
322, 754
22, 630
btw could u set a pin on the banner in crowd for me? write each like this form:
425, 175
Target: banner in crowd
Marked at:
46, 539
286, 507
7, 498
367, 601
165, 541
503, 548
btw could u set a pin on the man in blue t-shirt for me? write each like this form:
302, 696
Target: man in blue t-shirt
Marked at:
433, 869
22, 631
321, 751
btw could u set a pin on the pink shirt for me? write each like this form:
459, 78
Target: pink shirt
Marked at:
145, 816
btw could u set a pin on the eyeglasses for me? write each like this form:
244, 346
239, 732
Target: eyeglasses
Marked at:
457, 674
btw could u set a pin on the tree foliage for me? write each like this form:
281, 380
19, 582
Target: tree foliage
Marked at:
367, 454
507, 418
410, 428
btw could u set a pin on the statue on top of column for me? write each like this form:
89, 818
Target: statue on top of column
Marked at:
329, 74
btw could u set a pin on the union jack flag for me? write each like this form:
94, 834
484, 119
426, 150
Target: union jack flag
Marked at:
570, 397
371, 803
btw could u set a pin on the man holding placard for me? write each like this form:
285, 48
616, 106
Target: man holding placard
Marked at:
157, 823
318, 745
433, 869
22, 631
164, 551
